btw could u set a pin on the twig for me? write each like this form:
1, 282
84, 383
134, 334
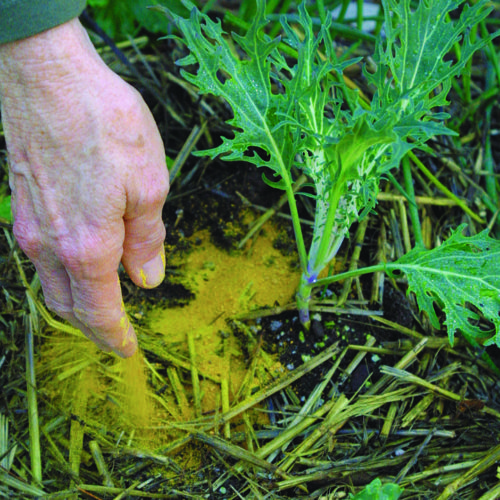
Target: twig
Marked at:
236, 452
405, 361
78, 409
18, 484
305, 418
178, 389
370, 342
105, 490
358, 245
95, 449
419, 476
419, 200
224, 386
488, 461
413, 208
280, 384
444, 189
418, 410
34, 430
186, 150
194, 375
334, 409
414, 458
378, 282
257, 225
414, 379
492, 494
157, 350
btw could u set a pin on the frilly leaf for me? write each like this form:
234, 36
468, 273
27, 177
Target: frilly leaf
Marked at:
462, 277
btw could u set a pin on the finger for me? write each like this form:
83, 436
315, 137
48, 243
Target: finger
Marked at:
100, 310
54, 279
71, 318
98, 304
57, 293
55, 284
143, 251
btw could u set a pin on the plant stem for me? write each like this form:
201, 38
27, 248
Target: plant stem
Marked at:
352, 274
318, 260
491, 50
326, 231
194, 374
343, 10
297, 229
489, 163
271, 212
359, 15
380, 21
360, 237
412, 205
277, 28
321, 11
303, 300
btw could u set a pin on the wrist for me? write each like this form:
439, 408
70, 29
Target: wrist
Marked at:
46, 59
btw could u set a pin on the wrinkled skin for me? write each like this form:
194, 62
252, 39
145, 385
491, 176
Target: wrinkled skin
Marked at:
88, 178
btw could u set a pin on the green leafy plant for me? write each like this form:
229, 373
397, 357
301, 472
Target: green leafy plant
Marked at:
461, 276
5, 209
119, 18
296, 114
377, 491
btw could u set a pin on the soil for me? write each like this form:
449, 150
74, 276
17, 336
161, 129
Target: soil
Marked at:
209, 282
223, 326
210, 288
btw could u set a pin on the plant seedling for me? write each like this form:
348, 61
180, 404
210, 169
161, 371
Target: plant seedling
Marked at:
376, 491
295, 113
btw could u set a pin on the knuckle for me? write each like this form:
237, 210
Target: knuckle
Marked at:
152, 237
150, 247
28, 238
100, 322
158, 191
85, 258
158, 235
57, 302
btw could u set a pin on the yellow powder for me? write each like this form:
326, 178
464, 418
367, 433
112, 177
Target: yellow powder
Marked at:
120, 397
137, 406
225, 285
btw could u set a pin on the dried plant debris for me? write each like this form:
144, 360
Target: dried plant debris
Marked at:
230, 396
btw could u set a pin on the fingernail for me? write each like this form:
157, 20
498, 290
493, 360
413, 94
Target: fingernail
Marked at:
153, 272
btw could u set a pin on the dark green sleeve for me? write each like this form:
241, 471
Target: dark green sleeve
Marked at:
24, 18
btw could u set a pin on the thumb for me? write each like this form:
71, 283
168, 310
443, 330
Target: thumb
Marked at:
143, 251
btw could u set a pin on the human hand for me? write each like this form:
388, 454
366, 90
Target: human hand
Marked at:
88, 178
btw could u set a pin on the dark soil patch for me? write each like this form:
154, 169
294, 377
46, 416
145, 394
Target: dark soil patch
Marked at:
408, 426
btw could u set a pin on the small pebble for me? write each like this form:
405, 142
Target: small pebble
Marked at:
317, 329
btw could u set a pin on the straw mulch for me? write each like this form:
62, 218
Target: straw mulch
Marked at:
423, 415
